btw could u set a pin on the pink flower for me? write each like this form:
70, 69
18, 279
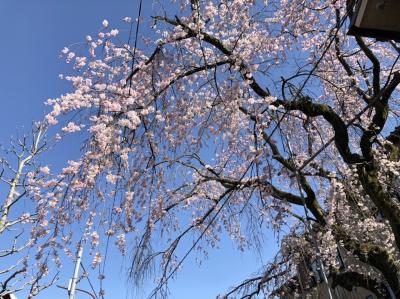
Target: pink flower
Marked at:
44, 170
114, 32
96, 260
71, 128
95, 239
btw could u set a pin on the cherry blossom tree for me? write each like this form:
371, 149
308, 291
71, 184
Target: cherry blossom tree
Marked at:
234, 117
21, 266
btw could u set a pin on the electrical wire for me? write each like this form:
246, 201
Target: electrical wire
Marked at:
136, 39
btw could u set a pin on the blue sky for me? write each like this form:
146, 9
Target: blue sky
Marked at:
32, 35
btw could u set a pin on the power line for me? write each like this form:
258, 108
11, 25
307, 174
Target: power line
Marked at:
136, 39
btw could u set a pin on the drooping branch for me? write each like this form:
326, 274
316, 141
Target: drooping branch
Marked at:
252, 287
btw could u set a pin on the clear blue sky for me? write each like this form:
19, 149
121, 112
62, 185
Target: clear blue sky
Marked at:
32, 34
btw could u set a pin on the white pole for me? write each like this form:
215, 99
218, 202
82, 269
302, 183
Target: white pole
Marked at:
72, 286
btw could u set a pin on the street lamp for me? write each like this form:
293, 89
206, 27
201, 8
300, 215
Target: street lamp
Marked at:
378, 19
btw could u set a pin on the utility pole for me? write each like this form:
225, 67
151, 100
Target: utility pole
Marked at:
73, 281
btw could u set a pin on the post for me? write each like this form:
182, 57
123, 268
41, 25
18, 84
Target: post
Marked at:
72, 285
